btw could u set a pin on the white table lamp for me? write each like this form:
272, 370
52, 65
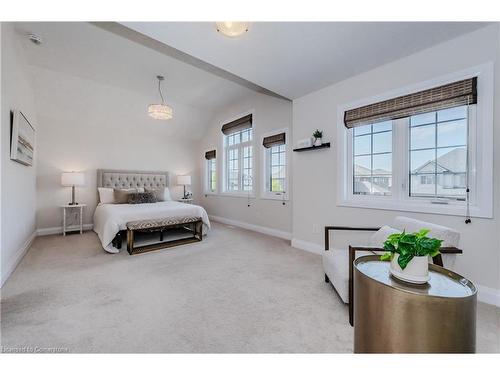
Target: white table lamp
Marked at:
184, 180
72, 179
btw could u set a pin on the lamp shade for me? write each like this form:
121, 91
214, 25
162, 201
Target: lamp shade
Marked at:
160, 111
72, 179
183, 180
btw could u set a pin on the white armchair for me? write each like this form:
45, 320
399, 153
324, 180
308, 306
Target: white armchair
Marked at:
337, 263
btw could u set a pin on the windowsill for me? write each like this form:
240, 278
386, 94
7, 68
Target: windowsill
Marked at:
451, 209
237, 195
274, 197
210, 193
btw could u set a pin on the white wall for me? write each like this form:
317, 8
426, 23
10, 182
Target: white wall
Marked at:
269, 114
18, 198
315, 184
85, 125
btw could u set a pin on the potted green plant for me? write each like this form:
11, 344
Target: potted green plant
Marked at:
408, 253
318, 135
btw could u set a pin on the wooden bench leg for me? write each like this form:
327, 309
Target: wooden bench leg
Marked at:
130, 241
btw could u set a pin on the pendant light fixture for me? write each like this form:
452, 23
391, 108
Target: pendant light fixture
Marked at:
160, 111
232, 29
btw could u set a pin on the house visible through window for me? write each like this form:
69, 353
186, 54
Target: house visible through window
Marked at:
372, 157
438, 153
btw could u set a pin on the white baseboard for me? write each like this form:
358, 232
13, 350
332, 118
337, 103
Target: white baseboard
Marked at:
307, 246
488, 295
58, 230
12, 264
256, 228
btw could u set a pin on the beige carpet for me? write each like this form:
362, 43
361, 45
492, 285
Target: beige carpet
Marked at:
237, 291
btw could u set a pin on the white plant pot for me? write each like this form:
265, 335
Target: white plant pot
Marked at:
318, 142
416, 271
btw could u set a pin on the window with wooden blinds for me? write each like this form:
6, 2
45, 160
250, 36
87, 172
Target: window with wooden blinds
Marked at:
454, 94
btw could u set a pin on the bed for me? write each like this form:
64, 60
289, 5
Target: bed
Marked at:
110, 219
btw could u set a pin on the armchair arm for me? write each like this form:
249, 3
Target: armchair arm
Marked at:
329, 228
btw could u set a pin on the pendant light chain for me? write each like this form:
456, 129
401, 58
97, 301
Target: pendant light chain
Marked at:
160, 78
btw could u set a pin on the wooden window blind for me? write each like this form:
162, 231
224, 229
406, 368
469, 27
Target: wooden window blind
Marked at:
237, 125
450, 95
209, 155
274, 140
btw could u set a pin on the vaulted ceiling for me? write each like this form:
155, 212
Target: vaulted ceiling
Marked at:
296, 58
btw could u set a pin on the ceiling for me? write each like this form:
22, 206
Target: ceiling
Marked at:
84, 51
293, 59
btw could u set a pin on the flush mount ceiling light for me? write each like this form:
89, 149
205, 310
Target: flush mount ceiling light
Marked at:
232, 29
160, 111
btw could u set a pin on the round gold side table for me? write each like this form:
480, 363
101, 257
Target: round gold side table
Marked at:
391, 316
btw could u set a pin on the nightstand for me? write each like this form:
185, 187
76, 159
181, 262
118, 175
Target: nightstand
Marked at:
186, 200
70, 207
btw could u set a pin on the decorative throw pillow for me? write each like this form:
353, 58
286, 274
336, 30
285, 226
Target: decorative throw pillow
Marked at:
158, 193
138, 198
121, 195
162, 194
106, 195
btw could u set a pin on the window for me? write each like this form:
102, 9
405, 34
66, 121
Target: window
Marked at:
210, 172
212, 175
277, 168
372, 157
438, 154
404, 153
435, 145
239, 161
275, 173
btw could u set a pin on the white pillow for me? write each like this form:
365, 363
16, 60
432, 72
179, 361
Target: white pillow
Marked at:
378, 238
106, 195
167, 194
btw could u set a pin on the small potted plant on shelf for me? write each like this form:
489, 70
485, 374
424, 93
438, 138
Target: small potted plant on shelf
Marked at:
408, 253
318, 137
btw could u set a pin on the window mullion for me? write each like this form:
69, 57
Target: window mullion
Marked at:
399, 159
240, 167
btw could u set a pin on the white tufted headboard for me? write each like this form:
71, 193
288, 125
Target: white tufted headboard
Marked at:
123, 179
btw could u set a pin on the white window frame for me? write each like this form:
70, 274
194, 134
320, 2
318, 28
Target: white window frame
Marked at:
206, 178
480, 145
265, 193
223, 180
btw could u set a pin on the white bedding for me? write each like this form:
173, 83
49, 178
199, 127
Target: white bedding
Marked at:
109, 219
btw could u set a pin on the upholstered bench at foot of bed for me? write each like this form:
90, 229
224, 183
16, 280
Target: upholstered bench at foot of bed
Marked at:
191, 223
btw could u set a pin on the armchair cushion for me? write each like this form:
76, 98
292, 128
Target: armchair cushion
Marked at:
336, 266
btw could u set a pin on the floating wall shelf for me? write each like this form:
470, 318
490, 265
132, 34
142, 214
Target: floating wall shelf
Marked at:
324, 145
